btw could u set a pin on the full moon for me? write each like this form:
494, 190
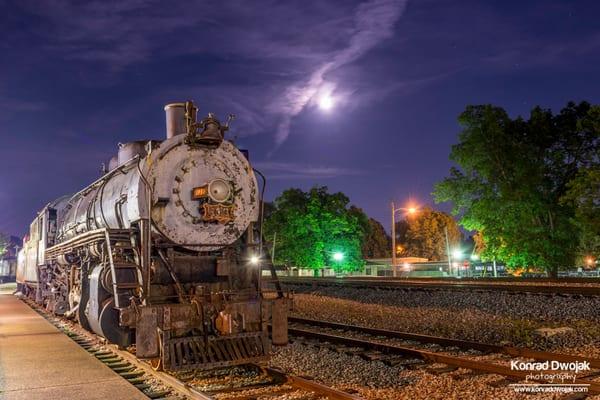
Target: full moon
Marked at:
325, 103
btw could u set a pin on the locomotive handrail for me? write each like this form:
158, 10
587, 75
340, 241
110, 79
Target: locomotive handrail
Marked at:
113, 273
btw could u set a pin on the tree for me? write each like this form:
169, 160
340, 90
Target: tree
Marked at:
377, 243
423, 234
312, 226
4, 243
513, 174
583, 195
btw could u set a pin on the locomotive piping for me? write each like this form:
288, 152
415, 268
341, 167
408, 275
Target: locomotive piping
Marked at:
262, 208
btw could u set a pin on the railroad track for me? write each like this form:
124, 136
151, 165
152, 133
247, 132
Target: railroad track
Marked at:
255, 380
404, 348
472, 286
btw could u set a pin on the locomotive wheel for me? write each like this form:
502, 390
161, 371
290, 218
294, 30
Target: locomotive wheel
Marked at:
81, 318
109, 323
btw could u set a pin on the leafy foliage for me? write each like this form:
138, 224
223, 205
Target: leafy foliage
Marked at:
583, 195
4, 243
312, 226
423, 234
514, 175
376, 243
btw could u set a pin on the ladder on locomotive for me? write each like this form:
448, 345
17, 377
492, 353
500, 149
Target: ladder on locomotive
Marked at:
122, 282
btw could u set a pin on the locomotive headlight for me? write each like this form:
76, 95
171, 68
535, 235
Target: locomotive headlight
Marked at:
219, 190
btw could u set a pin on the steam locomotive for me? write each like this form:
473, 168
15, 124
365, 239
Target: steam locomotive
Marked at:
163, 251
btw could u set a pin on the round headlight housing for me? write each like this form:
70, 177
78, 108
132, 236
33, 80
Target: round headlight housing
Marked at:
219, 191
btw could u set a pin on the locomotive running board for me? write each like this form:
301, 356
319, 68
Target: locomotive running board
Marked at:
198, 352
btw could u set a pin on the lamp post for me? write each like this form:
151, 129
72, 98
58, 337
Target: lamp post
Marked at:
409, 210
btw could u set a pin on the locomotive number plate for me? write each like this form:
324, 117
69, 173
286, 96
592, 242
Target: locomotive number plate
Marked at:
218, 212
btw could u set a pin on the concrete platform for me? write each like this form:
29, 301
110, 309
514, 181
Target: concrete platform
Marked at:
38, 362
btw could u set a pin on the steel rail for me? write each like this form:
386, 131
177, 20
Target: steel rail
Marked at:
461, 362
475, 287
463, 344
499, 280
312, 386
181, 387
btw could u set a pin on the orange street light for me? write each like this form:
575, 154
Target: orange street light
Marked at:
589, 261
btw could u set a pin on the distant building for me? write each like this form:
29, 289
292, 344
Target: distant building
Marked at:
405, 267
8, 261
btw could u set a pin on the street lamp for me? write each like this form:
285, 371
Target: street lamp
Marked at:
408, 210
457, 254
338, 256
589, 261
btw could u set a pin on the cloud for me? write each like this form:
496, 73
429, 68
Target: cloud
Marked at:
9, 106
285, 170
117, 34
374, 21
283, 57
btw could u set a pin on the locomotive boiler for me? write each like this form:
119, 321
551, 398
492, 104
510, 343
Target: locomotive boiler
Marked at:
163, 251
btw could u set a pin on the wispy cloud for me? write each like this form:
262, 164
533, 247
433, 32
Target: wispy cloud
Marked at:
288, 54
374, 21
11, 105
285, 170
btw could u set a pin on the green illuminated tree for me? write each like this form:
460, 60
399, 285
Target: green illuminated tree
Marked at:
423, 234
312, 226
513, 176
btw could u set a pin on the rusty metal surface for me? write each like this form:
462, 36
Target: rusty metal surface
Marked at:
177, 170
279, 321
206, 353
312, 386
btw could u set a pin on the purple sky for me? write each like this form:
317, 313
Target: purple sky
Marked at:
76, 78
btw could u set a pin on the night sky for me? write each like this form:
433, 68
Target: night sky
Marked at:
76, 78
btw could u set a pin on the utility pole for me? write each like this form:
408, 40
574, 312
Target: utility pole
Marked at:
273, 249
448, 250
394, 273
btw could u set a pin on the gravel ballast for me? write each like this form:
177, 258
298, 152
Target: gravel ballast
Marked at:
375, 381
491, 317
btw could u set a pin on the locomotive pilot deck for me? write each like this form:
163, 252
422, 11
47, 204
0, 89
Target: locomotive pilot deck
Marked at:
37, 361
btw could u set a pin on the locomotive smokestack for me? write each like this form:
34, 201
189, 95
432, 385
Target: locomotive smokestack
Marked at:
175, 117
